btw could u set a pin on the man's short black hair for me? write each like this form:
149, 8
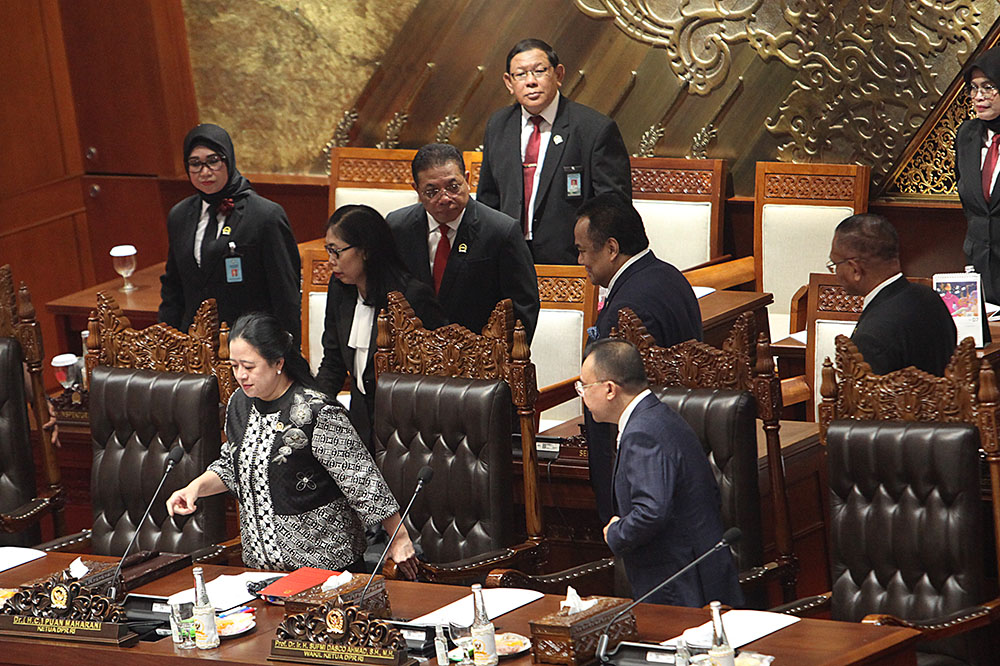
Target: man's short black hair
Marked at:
619, 361
612, 217
868, 236
434, 155
530, 45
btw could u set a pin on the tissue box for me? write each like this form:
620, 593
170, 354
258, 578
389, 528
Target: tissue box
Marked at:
376, 601
559, 638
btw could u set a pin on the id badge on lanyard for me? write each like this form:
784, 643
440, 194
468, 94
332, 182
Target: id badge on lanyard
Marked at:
234, 265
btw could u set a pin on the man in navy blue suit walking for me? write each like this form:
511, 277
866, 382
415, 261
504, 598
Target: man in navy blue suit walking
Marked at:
666, 501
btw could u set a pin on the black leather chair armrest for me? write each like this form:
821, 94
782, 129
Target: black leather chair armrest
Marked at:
71, 543
805, 606
230, 552
937, 628
553, 583
31, 512
474, 569
782, 569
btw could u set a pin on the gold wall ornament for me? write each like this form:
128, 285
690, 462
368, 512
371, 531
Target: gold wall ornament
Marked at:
446, 127
392, 130
701, 139
341, 136
931, 169
647, 144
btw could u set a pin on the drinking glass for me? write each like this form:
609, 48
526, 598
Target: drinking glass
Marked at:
123, 260
67, 370
462, 637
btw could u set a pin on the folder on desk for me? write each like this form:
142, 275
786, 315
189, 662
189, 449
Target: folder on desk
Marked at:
297, 581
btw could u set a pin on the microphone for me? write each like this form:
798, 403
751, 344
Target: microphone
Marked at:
173, 458
729, 537
423, 476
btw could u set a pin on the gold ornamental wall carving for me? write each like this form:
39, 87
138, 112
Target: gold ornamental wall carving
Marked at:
931, 170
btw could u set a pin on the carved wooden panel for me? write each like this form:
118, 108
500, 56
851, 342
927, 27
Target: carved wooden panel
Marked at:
374, 171
561, 289
809, 186
474, 170
321, 272
113, 342
672, 181
834, 298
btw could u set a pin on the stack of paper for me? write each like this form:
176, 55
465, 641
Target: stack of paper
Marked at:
742, 627
498, 601
225, 592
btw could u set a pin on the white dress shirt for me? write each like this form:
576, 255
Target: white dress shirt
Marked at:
548, 115
434, 234
360, 339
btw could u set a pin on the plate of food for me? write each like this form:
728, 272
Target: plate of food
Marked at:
235, 625
510, 644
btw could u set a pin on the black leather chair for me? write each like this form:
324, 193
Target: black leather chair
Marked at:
136, 417
461, 429
907, 529
724, 421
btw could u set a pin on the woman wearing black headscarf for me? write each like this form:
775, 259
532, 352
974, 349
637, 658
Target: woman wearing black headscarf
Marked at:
227, 243
977, 149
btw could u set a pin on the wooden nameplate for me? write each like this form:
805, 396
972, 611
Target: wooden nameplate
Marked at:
65, 611
330, 634
560, 638
376, 601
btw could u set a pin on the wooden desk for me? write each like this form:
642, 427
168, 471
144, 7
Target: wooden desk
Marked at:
140, 306
721, 308
805, 643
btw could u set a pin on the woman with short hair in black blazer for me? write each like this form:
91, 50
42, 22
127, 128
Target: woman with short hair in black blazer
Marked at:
227, 243
366, 267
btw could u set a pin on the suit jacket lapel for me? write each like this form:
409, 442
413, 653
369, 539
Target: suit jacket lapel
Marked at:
554, 151
468, 231
970, 158
416, 232
219, 248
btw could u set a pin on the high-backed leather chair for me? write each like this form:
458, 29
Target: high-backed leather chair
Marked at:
136, 418
21, 346
424, 379
906, 524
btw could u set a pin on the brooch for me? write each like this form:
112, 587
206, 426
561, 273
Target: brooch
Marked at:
300, 413
305, 482
293, 438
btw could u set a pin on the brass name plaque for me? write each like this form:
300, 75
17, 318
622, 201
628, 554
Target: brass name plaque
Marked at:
348, 654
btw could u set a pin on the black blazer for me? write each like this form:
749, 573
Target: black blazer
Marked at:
338, 358
489, 262
269, 256
982, 237
590, 144
906, 324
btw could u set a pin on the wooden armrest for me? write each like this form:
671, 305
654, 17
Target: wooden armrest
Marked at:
799, 309
723, 276
722, 258
554, 583
937, 628
227, 551
474, 569
31, 512
794, 390
71, 543
805, 606
555, 394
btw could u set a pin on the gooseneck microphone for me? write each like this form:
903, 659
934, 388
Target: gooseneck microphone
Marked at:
173, 458
423, 476
729, 537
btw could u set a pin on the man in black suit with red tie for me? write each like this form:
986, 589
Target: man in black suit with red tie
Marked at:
472, 255
545, 155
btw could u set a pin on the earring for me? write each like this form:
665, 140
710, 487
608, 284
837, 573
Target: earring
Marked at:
279, 372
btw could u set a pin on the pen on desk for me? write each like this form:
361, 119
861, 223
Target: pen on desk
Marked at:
234, 611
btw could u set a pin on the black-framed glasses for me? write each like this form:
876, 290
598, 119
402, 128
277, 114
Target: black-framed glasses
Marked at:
214, 162
452, 188
987, 90
335, 252
538, 72
832, 265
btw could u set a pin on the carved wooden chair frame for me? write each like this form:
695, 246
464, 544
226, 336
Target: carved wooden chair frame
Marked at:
17, 320
113, 342
500, 352
967, 393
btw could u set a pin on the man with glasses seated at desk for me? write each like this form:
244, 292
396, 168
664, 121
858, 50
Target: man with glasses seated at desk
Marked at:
545, 155
227, 243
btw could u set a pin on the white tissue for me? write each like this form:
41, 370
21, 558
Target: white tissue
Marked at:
77, 569
574, 604
333, 582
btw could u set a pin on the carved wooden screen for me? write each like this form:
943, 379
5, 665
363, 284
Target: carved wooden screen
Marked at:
113, 342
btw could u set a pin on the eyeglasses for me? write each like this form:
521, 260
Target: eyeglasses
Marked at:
336, 252
581, 387
538, 72
452, 188
213, 162
832, 265
988, 91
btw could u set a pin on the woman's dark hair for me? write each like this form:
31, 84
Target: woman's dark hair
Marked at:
363, 228
263, 332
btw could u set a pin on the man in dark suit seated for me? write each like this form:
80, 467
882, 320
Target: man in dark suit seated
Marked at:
902, 324
667, 508
611, 243
472, 255
545, 154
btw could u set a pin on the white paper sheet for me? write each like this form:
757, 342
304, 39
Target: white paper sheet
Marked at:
498, 601
742, 627
702, 291
225, 592
800, 336
13, 556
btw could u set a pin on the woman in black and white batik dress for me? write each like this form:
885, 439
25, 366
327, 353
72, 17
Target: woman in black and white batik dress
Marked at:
306, 485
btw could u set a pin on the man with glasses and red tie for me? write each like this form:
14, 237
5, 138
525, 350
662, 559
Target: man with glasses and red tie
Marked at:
977, 149
473, 256
546, 155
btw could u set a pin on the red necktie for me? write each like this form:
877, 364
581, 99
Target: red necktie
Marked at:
441, 256
990, 165
530, 163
